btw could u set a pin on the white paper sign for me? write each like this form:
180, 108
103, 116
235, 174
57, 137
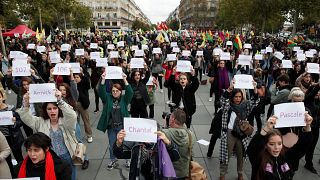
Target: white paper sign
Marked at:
314, 51
171, 57
140, 130
110, 46
31, 46
114, 72
186, 53
79, 52
6, 118
75, 67
41, 49
183, 66
229, 43
263, 51
309, 54
94, 55
62, 69
65, 47
120, 44
313, 68
156, 50
258, 57
217, 51
20, 68
42, 93
18, 55
289, 114
102, 62
93, 46
225, 56
300, 51
114, 54
137, 63
174, 44
243, 81
199, 53
54, 57
134, 48
247, 46
150, 81
144, 46
138, 53
244, 59
301, 57
296, 48
176, 50
278, 55
269, 49
286, 64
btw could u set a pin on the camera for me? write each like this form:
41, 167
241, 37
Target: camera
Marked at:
166, 117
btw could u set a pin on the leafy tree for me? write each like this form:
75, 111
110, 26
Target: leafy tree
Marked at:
137, 24
81, 16
174, 24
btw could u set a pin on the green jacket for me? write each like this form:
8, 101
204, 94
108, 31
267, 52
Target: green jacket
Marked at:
107, 100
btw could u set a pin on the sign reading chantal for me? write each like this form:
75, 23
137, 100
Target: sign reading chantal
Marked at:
140, 130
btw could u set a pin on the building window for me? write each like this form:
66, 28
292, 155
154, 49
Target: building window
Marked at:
99, 15
107, 23
100, 24
114, 23
115, 15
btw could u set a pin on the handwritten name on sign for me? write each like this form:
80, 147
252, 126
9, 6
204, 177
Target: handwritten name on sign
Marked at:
313, 68
243, 81
137, 63
42, 93
62, 69
20, 68
75, 67
139, 53
171, 57
245, 59
79, 52
6, 118
65, 47
183, 66
113, 72
225, 56
140, 130
286, 64
102, 62
289, 114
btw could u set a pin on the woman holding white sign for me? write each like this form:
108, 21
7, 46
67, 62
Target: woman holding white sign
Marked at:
235, 111
58, 122
114, 110
269, 158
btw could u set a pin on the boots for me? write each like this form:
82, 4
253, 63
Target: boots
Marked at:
222, 178
240, 177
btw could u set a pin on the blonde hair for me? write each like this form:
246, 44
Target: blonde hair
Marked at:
296, 92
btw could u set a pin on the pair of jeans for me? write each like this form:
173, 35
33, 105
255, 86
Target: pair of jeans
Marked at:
68, 159
112, 136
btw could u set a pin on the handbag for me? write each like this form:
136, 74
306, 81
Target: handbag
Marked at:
78, 155
196, 171
246, 127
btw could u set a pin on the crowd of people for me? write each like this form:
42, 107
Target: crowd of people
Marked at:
52, 129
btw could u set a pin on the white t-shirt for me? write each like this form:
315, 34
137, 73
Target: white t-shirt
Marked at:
233, 117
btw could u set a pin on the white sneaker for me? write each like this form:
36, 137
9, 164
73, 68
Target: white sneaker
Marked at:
112, 164
161, 90
168, 102
127, 164
9, 91
210, 99
90, 139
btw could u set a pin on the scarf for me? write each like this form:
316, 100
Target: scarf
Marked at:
305, 85
223, 80
49, 172
240, 109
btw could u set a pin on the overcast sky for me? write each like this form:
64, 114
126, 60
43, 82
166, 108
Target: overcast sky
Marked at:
157, 10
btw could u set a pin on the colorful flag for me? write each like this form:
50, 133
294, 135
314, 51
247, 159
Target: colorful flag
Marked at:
160, 38
227, 35
237, 43
37, 34
209, 37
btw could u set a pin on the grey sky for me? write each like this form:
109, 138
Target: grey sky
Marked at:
157, 10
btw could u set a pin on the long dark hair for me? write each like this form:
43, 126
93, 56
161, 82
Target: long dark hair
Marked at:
69, 99
234, 92
45, 115
266, 157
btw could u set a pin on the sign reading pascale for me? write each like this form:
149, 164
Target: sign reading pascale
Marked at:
290, 114
42, 93
140, 130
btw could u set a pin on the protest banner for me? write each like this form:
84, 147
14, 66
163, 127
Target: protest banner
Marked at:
31, 46
102, 62
243, 81
93, 46
183, 66
114, 72
174, 44
18, 55
229, 43
110, 46
138, 53
258, 57
20, 68
136, 63
75, 67
41, 49
79, 52
225, 56
289, 114
244, 59
140, 130
269, 49
313, 68
186, 53
199, 53
6, 118
171, 57
309, 54
42, 93
120, 44
301, 57
278, 55
114, 54
62, 69
286, 64
247, 46
54, 57
156, 51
